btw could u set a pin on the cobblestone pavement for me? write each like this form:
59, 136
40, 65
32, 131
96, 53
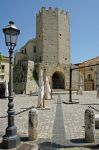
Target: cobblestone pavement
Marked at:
60, 126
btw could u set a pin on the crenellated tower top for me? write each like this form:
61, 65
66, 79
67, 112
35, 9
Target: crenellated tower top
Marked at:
53, 10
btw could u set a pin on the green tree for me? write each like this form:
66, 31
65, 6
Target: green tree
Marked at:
1, 57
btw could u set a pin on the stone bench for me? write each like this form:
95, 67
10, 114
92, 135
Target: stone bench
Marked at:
97, 121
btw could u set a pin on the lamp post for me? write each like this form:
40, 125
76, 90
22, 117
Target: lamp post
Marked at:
70, 85
11, 139
44, 77
1, 58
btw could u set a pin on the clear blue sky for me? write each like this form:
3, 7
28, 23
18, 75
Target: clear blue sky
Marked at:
84, 23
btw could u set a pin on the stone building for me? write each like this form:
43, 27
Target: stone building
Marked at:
90, 74
4, 75
50, 50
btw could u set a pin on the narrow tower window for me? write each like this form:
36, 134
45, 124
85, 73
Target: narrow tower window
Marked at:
34, 49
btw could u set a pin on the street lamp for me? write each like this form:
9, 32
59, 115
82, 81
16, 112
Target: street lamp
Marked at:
11, 139
1, 58
70, 85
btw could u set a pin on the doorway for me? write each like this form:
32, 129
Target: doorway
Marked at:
2, 89
58, 80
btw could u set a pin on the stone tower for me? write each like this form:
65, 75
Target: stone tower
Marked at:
50, 50
53, 36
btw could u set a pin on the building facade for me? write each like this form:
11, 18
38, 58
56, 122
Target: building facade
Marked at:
90, 74
4, 76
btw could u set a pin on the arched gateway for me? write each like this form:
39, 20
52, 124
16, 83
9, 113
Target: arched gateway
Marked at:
2, 89
58, 80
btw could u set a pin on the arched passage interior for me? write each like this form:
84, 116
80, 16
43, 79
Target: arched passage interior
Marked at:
2, 89
58, 80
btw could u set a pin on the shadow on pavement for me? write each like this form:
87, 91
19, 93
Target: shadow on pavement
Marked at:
0, 145
24, 138
20, 112
78, 141
48, 146
53, 146
90, 104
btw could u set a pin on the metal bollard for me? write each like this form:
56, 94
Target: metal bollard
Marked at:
33, 124
89, 126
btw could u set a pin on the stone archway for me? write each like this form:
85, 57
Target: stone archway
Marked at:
58, 80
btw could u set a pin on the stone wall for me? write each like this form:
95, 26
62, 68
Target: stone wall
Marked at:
18, 57
27, 52
97, 76
53, 36
50, 33
24, 82
52, 48
31, 84
19, 88
63, 37
64, 71
39, 37
75, 80
19, 77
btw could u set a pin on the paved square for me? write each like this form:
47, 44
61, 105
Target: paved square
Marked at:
60, 125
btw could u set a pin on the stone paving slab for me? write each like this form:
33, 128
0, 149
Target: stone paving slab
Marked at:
60, 125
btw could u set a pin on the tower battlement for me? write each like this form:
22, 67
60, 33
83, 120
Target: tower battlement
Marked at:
53, 10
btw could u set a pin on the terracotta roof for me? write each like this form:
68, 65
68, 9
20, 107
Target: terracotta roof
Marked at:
92, 60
